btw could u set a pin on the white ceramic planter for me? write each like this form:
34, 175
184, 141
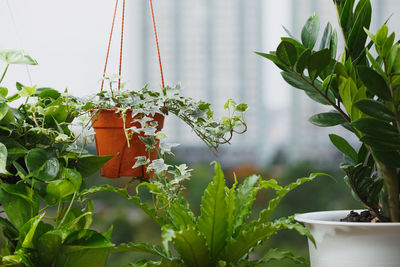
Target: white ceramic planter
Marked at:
343, 244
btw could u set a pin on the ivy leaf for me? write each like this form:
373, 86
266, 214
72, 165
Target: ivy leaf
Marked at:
158, 166
213, 219
310, 31
3, 159
10, 56
344, 147
327, 119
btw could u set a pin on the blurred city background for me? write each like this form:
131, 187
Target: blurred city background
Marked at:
207, 46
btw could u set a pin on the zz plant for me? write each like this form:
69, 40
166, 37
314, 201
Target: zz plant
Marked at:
363, 88
41, 170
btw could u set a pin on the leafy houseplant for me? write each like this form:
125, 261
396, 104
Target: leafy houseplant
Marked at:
41, 169
364, 92
136, 117
221, 235
363, 88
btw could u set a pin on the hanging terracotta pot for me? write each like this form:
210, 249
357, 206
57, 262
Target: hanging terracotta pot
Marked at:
110, 139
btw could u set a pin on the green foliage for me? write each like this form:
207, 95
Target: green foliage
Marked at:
362, 89
223, 234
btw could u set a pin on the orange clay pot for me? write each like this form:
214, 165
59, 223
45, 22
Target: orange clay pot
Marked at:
110, 140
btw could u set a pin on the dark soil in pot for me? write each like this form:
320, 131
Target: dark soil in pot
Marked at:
364, 216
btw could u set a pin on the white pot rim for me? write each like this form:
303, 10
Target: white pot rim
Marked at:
333, 218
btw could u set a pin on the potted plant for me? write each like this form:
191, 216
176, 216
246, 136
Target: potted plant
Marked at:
223, 235
362, 87
41, 169
127, 124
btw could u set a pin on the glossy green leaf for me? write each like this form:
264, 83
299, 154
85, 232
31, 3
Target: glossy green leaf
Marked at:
346, 14
244, 198
83, 239
305, 84
343, 146
376, 109
3, 91
48, 247
327, 119
310, 31
302, 63
28, 231
326, 37
381, 35
389, 158
18, 210
377, 128
357, 37
383, 144
27, 91
3, 110
73, 176
333, 44
191, 246
274, 59
88, 165
318, 61
45, 92
3, 159
374, 82
287, 53
10, 56
49, 171
60, 188
212, 222
36, 159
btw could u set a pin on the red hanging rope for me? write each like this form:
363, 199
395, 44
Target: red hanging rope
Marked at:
158, 48
122, 41
109, 44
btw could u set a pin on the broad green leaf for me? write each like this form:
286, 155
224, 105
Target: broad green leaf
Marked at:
375, 64
48, 247
347, 90
333, 44
212, 222
376, 128
381, 35
88, 165
376, 109
309, 33
18, 210
47, 93
287, 53
60, 189
191, 246
318, 61
344, 147
306, 84
387, 50
326, 37
31, 227
73, 176
27, 91
180, 214
346, 14
10, 56
49, 171
3, 110
36, 159
384, 144
390, 158
83, 239
302, 63
244, 198
374, 82
3, 91
274, 59
357, 37
327, 119
3, 159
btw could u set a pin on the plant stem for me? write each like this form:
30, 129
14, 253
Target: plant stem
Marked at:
344, 115
392, 183
4, 73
